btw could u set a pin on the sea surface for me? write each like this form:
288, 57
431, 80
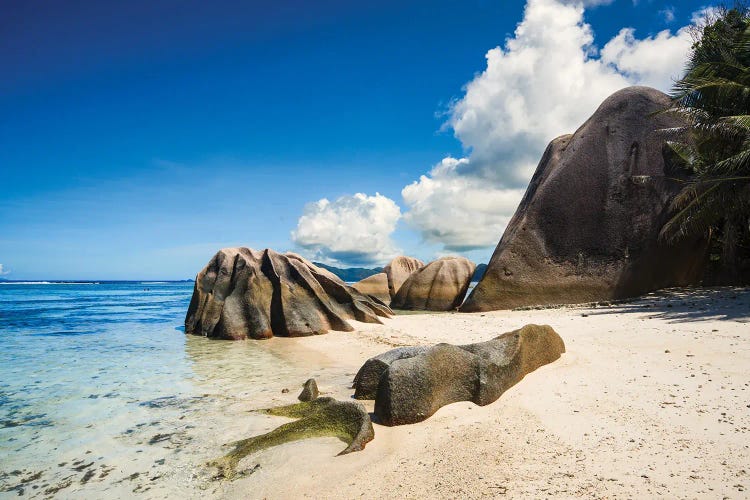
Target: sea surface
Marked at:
102, 393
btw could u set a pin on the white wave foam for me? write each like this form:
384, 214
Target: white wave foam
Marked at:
49, 282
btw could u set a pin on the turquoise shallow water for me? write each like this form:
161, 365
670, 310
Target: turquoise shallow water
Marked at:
102, 393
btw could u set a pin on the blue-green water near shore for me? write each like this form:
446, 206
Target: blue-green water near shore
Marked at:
101, 393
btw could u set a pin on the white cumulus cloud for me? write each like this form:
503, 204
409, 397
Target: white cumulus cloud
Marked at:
470, 208
655, 61
667, 14
352, 230
3, 271
545, 81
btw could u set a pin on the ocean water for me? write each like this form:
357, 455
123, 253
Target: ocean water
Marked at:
102, 394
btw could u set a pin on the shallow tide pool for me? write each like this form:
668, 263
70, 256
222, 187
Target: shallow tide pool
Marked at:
101, 392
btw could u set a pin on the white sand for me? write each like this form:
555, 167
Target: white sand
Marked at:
649, 400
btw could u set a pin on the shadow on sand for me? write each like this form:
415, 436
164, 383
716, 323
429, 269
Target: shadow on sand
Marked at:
682, 305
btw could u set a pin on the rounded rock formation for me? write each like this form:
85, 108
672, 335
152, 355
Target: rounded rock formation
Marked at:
439, 286
399, 270
243, 293
587, 228
375, 286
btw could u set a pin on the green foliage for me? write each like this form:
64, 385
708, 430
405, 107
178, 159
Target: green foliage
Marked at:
713, 98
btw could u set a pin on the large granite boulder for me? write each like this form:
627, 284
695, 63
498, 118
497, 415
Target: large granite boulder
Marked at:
243, 293
413, 384
383, 286
399, 270
375, 286
439, 286
587, 228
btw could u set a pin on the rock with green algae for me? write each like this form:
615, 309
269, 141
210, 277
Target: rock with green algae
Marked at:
322, 417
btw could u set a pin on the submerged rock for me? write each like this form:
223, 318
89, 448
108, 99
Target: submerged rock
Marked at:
243, 293
439, 286
415, 382
587, 228
375, 286
346, 420
309, 391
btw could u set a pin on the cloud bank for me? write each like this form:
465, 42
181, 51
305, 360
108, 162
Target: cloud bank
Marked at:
352, 230
546, 80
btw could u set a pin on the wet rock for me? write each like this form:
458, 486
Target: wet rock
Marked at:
346, 420
158, 438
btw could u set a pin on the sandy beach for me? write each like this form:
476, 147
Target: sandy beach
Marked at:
651, 399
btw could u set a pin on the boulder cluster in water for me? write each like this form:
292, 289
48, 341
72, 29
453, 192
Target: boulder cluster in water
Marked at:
243, 293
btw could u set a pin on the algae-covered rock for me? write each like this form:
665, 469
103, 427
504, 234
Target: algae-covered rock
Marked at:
309, 391
322, 417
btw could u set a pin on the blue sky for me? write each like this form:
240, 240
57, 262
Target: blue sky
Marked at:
139, 137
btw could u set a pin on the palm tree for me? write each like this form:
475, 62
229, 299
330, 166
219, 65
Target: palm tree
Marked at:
713, 99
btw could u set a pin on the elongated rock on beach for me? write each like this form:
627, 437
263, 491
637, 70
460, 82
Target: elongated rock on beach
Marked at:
587, 228
368, 377
411, 384
243, 293
439, 286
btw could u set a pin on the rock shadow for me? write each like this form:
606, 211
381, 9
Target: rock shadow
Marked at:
683, 305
